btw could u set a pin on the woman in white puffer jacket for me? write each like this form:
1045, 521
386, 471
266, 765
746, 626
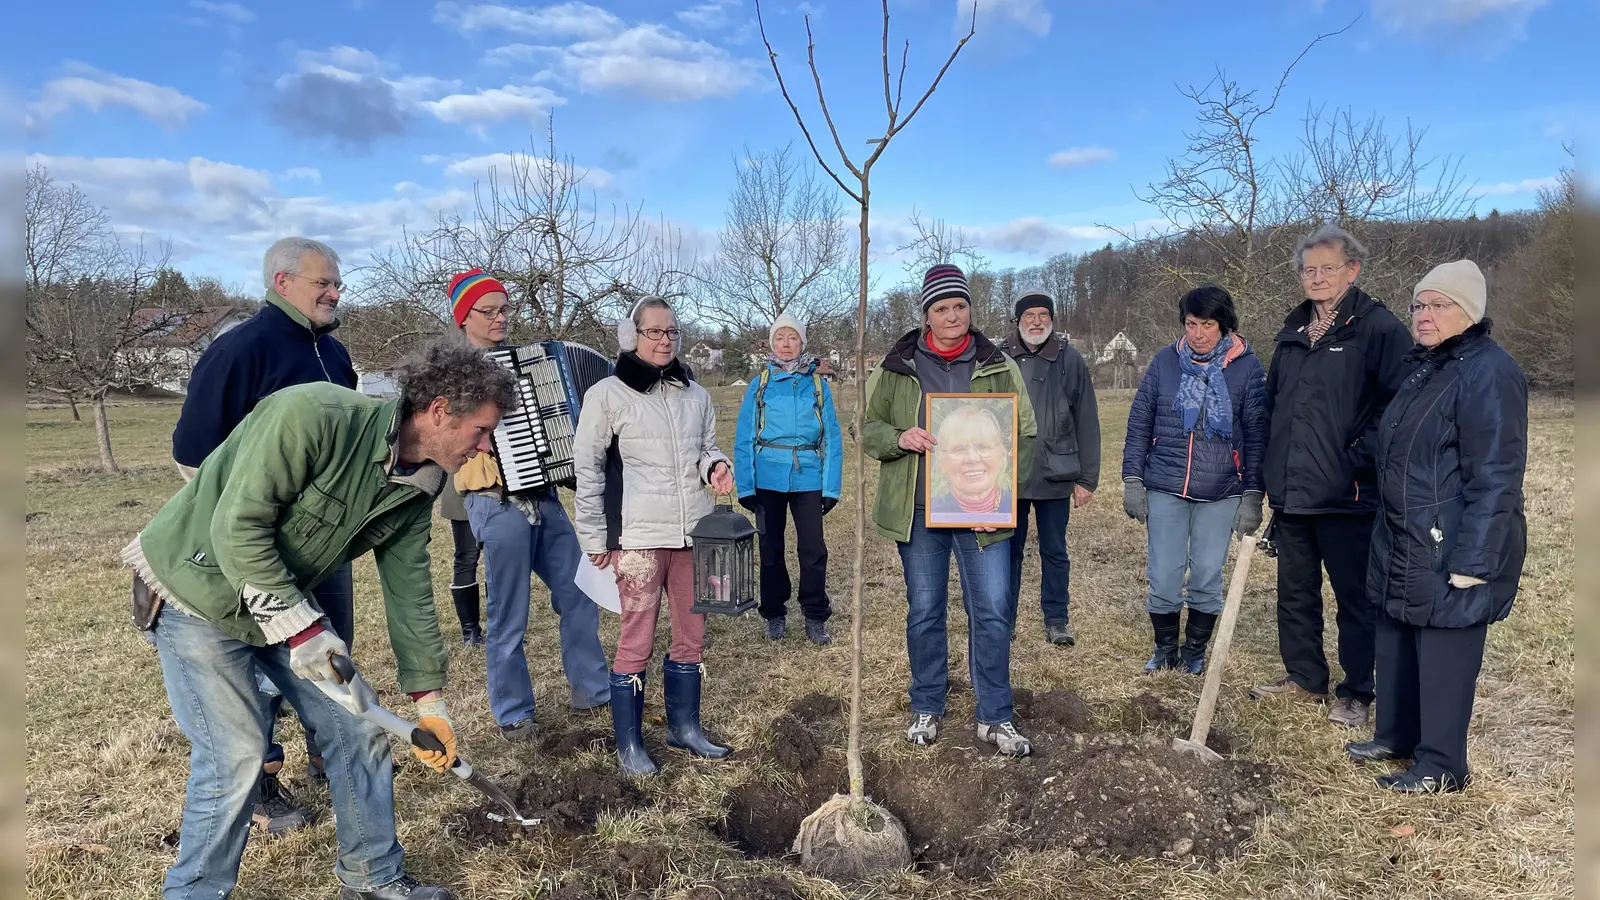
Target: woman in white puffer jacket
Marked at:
648, 435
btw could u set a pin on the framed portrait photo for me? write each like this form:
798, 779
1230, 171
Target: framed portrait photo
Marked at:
971, 471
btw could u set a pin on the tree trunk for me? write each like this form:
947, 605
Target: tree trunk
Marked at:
73, 403
102, 434
853, 747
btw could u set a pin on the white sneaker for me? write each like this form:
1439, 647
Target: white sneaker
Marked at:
924, 729
1006, 736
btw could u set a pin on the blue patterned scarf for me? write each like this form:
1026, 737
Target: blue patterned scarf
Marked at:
1202, 387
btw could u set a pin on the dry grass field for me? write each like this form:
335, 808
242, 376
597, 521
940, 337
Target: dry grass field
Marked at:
106, 764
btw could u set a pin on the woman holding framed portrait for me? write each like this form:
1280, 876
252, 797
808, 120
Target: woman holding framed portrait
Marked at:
1191, 470
950, 424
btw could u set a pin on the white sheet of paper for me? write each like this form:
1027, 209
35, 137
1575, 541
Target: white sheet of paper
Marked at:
599, 584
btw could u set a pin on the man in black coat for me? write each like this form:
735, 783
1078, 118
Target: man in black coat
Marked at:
289, 342
1066, 461
1338, 361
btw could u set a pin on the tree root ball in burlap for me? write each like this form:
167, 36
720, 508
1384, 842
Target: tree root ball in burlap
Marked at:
845, 841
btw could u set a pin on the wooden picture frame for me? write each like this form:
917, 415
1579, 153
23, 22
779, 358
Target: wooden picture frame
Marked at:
980, 430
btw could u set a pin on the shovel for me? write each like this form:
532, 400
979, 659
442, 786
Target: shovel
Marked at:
359, 697
1196, 742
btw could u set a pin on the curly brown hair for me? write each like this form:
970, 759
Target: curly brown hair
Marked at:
462, 374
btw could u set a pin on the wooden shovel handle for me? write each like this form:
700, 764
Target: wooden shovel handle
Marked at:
1222, 641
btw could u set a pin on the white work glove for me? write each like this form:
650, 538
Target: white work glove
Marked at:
1462, 582
309, 658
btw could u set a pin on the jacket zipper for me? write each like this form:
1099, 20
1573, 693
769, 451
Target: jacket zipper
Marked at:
318, 352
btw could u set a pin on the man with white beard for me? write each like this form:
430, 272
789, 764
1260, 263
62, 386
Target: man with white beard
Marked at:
1067, 457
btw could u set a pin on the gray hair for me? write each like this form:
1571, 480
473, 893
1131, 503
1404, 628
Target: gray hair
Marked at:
462, 374
651, 302
1329, 235
284, 256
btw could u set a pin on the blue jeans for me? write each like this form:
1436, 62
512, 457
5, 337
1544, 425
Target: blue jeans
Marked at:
335, 596
1054, 567
513, 549
986, 596
211, 684
1187, 536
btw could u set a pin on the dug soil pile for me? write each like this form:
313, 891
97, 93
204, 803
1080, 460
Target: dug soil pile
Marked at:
1090, 787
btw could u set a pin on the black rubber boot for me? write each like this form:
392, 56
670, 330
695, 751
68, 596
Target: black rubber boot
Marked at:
627, 717
465, 600
681, 684
1166, 626
1196, 635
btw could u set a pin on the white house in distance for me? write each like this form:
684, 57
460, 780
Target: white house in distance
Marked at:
176, 346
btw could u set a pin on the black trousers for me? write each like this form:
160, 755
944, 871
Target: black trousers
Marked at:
465, 573
1426, 681
1305, 545
772, 511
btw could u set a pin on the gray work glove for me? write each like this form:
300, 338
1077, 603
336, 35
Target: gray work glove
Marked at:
1135, 501
309, 658
1248, 518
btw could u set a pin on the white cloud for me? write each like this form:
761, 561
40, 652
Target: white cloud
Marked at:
479, 168
512, 54
1034, 235
1073, 157
495, 104
303, 173
93, 89
1525, 186
229, 214
713, 15
232, 13
656, 62
1030, 14
1414, 15
562, 20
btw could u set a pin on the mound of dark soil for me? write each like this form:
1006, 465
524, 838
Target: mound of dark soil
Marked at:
1095, 793
562, 744
566, 802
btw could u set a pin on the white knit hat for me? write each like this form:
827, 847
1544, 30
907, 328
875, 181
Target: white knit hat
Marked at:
1461, 281
785, 320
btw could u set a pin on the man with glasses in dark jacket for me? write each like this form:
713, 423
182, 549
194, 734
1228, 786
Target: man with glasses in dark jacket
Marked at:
1066, 466
1339, 360
289, 342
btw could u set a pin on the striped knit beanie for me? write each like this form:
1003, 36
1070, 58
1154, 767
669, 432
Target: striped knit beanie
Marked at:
467, 288
942, 282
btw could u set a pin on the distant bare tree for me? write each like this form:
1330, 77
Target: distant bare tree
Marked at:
90, 325
784, 247
1535, 302
569, 267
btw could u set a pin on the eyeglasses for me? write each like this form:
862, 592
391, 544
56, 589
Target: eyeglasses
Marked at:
1325, 271
1431, 308
498, 312
656, 334
321, 283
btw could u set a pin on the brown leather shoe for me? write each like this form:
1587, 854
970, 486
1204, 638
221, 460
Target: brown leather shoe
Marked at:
1284, 688
1349, 713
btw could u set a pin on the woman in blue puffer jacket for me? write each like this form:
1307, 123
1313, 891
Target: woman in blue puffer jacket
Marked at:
788, 458
1191, 469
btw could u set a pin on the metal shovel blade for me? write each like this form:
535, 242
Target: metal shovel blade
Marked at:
1184, 745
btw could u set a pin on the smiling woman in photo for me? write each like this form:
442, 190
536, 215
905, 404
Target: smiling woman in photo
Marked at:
972, 483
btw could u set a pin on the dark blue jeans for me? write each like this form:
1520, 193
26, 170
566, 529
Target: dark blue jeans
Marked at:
1054, 567
335, 596
985, 594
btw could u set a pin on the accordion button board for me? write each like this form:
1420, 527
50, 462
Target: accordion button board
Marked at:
533, 443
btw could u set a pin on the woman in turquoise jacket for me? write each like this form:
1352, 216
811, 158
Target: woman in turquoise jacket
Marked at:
788, 459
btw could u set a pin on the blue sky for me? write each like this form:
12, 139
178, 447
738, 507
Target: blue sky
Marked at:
224, 125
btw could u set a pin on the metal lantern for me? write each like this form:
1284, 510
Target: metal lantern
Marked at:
724, 563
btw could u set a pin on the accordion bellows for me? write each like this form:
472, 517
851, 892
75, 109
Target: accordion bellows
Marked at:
533, 443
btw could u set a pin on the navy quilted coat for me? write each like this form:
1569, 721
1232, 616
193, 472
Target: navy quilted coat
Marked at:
1173, 461
1451, 455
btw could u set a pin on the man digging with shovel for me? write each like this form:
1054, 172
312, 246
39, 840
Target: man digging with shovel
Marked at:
314, 477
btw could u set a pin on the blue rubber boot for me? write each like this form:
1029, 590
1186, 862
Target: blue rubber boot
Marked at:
627, 717
681, 683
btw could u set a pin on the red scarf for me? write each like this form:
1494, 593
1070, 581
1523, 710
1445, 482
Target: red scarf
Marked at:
950, 355
988, 504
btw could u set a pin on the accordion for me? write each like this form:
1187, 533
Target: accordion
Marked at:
533, 442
